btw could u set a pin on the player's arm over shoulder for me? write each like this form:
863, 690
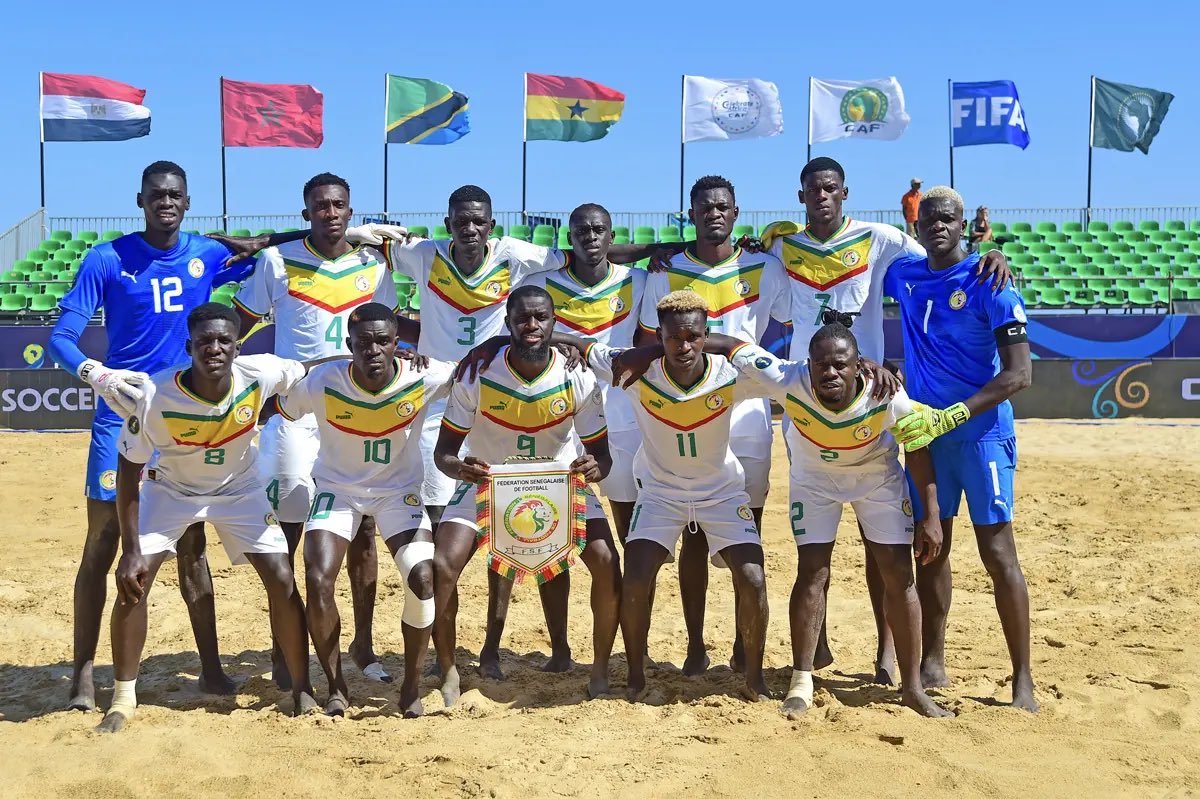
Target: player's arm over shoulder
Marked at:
899, 406
276, 375
765, 374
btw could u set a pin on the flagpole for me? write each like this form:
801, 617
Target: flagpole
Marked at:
41, 142
524, 142
950, 118
808, 153
386, 88
224, 199
1091, 146
682, 134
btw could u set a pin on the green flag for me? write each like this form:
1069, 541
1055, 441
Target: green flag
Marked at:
1127, 116
421, 111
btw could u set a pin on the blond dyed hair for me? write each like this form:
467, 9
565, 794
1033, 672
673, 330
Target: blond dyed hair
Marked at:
682, 301
945, 193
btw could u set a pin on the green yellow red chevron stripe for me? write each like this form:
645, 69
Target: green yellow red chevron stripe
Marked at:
207, 431
823, 267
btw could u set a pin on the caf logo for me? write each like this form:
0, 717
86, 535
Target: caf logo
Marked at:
862, 432
195, 267
271, 520
851, 258
243, 414
34, 356
762, 363
134, 425
558, 406
744, 512
714, 401
958, 299
906, 506
493, 288
616, 304
1019, 314
405, 409
361, 283
108, 479
864, 104
412, 500
741, 287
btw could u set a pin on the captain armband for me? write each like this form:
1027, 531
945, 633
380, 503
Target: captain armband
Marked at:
1011, 333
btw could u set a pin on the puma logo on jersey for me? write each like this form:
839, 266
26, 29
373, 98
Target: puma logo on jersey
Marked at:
499, 406
129, 275
343, 416
189, 433
910, 287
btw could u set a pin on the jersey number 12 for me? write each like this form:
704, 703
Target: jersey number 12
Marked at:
166, 294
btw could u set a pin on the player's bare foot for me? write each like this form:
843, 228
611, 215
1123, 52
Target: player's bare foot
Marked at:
598, 685
219, 684
635, 689
368, 663
933, 674
1023, 694
114, 721
756, 692
885, 674
737, 660
489, 665
558, 663
450, 687
410, 702
696, 662
279, 671
83, 691
920, 702
823, 656
794, 708
304, 704
337, 705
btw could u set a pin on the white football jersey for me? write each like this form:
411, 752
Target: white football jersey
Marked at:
606, 313
505, 416
820, 439
843, 273
368, 446
743, 293
684, 454
199, 447
460, 311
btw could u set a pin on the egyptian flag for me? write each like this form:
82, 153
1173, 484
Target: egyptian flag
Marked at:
569, 109
87, 108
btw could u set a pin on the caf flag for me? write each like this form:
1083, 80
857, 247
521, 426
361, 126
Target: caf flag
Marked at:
1125, 117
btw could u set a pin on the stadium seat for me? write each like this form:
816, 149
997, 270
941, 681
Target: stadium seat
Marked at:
1069, 284
1194, 247
79, 247
1033, 269
27, 289
1011, 249
563, 239
1147, 225
620, 230
1174, 247
414, 301
12, 276
1052, 296
1081, 238
240, 232
1045, 227
1022, 262
1159, 260
13, 303
1134, 237
742, 230
497, 231
1040, 249
987, 246
90, 236
215, 230
1053, 237
620, 240
267, 231
1021, 227
1097, 226
642, 231
689, 232
1065, 248
1111, 268
1029, 295
1087, 269
1050, 258
1107, 237
1144, 270
1144, 298
999, 228
545, 230
1159, 237
1092, 249
1174, 224
58, 290
1186, 236
419, 230
1187, 257
643, 238
63, 257
51, 246
111, 235
1072, 227
43, 303
1113, 296
1083, 297
522, 232
543, 239
62, 235
671, 238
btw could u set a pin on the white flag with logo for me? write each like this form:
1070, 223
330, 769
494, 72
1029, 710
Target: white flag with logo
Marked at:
716, 109
863, 109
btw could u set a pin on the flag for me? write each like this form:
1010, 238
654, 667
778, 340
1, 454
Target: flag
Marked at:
848, 109
87, 108
987, 113
569, 109
717, 109
270, 114
1125, 117
421, 111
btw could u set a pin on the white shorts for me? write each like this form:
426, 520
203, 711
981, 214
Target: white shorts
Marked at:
287, 452
725, 522
437, 488
341, 513
462, 507
619, 486
879, 498
755, 456
244, 521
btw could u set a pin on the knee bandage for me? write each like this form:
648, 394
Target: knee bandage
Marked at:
802, 686
124, 700
418, 612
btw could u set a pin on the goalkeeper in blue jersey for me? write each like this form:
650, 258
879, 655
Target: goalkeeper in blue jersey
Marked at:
147, 283
965, 353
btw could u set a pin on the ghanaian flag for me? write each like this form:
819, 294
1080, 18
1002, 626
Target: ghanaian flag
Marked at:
569, 109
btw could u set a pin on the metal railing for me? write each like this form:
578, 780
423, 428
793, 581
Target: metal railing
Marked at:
22, 237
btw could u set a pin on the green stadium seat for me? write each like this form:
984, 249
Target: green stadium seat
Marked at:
58, 290
43, 303
642, 231
1159, 237
1065, 248
240, 232
1160, 284
1097, 226
563, 239
1040, 249
1134, 238
1083, 297
1053, 297
13, 303
1174, 224
51, 245
192, 231
1145, 248
419, 230
620, 240
1072, 227
1144, 270
1144, 298
1099, 284
497, 231
1053, 237
1147, 225
1060, 270
1081, 238
620, 230
1128, 284
43, 276
62, 235
689, 232
1193, 270
643, 238
545, 230
1122, 225
987, 246
1194, 247
77, 246
414, 302
1070, 284
1112, 269
12, 276
1029, 295
90, 236
1011, 249
999, 228
1194, 225
65, 275
1107, 237
1029, 239
742, 230
1050, 258
543, 239
1033, 270
1045, 227
64, 257
215, 230
1187, 258
111, 235
1159, 260
1022, 261
1174, 247
267, 231
522, 232
1186, 236
671, 238
27, 289
1088, 269
24, 266
290, 230
1113, 296
1092, 249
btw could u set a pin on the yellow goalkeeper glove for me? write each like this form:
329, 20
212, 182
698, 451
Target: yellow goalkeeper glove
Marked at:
924, 424
775, 230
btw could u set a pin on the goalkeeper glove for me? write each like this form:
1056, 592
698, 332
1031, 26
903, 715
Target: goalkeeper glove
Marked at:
118, 387
924, 424
774, 231
376, 234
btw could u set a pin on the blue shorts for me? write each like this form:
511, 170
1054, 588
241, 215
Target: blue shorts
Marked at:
101, 481
982, 469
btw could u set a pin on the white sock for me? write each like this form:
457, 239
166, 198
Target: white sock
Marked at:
802, 686
124, 699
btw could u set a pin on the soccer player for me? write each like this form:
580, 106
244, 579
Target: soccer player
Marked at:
524, 404
742, 290
147, 283
369, 464
309, 287
838, 263
841, 451
690, 481
967, 352
193, 430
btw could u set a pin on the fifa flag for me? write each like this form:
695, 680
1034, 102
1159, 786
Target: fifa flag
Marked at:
987, 113
422, 111
270, 115
87, 108
1126, 117
847, 109
558, 108
717, 109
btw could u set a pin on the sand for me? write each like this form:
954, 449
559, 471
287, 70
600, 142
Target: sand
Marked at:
1109, 538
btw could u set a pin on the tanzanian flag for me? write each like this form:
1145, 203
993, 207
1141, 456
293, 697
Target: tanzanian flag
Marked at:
421, 111
569, 109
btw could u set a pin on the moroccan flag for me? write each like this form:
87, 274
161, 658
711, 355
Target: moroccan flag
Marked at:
1127, 117
87, 108
421, 111
569, 109
270, 114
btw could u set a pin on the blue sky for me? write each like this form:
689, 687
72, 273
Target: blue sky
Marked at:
178, 53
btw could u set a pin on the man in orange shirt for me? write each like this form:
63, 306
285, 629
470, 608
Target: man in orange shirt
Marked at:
908, 205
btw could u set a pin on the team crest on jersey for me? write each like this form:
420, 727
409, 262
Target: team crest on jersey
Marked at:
862, 432
958, 299
713, 401
744, 512
195, 267
108, 479
243, 414
493, 288
270, 520
412, 500
762, 363
850, 258
558, 406
405, 409
906, 507
362, 283
616, 304
742, 287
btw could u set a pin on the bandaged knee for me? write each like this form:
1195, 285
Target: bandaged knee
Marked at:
801, 687
418, 612
124, 699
